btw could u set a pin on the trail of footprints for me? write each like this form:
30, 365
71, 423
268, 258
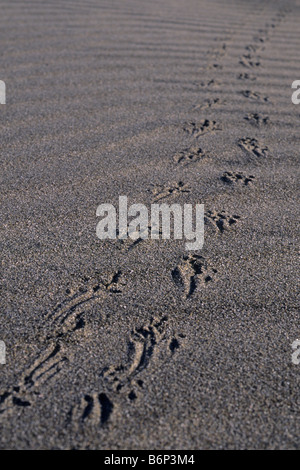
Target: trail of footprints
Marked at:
67, 319
251, 59
147, 345
194, 271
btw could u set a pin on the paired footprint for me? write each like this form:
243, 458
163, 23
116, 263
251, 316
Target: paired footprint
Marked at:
147, 346
66, 321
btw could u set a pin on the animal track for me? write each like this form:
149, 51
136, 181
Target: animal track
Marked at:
214, 66
260, 39
162, 193
209, 84
247, 60
211, 103
191, 272
231, 178
93, 411
46, 366
220, 51
129, 244
246, 76
221, 221
251, 95
68, 314
66, 319
257, 119
197, 129
190, 155
144, 347
254, 48
254, 146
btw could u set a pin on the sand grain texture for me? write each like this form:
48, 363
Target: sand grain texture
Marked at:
132, 345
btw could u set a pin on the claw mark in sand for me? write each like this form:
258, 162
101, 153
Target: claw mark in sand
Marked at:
191, 272
214, 66
254, 48
209, 84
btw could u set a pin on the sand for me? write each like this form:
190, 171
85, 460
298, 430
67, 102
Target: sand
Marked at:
122, 345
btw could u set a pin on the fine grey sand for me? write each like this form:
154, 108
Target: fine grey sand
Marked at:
122, 345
